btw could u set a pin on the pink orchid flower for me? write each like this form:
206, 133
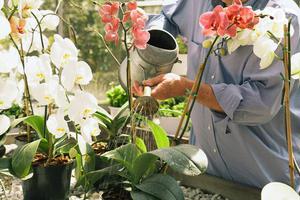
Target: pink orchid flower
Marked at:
140, 38
216, 22
111, 30
138, 18
108, 10
132, 5
242, 17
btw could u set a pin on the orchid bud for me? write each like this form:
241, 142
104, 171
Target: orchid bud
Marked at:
207, 44
222, 52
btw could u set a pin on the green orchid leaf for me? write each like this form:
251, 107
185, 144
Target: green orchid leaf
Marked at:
37, 123
22, 159
93, 176
125, 155
185, 159
143, 165
160, 135
141, 144
162, 186
138, 195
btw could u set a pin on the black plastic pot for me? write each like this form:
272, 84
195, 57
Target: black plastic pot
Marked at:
48, 183
2, 151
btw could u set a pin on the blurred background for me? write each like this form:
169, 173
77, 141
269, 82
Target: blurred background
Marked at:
84, 18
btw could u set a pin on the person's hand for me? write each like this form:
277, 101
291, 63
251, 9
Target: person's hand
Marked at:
167, 86
137, 89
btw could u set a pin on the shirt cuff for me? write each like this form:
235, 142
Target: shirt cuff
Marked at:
228, 97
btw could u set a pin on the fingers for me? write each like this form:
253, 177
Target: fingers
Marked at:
154, 81
137, 89
159, 92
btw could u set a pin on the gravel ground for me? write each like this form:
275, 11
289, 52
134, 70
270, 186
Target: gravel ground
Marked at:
14, 192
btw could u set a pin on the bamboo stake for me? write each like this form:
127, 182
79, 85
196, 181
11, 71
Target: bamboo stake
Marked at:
288, 125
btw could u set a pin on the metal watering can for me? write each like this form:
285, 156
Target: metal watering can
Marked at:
158, 58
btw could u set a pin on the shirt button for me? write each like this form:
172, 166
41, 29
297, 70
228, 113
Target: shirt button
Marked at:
208, 128
215, 150
213, 76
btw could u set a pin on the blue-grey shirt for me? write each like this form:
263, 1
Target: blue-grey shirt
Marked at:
247, 144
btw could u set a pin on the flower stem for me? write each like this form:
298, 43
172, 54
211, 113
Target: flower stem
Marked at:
192, 97
288, 126
129, 81
108, 49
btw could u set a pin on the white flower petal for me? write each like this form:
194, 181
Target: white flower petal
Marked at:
89, 129
267, 60
45, 93
8, 93
57, 125
38, 68
4, 124
232, 45
50, 20
9, 60
5, 27
82, 106
1, 3
278, 191
295, 65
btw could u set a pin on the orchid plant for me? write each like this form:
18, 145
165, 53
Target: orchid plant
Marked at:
39, 74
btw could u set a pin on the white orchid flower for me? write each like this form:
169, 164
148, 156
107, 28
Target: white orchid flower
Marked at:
278, 191
4, 124
242, 38
8, 93
82, 106
50, 21
60, 98
57, 125
25, 7
90, 128
9, 60
4, 23
47, 18
76, 73
20, 95
45, 93
295, 64
63, 51
38, 69
272, 24
265, 48
32, 42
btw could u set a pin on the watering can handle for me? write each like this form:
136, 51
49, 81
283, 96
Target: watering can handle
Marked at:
147, 91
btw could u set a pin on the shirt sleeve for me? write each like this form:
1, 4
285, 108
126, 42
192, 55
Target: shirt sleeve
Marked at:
259, 97
171, 18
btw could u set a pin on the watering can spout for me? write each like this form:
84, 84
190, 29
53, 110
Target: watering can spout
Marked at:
158, 58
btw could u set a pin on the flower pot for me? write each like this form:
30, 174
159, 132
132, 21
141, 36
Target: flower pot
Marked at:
48, 183
114, 110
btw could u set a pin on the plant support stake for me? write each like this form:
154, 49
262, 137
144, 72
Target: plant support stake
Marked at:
192, 96
288, 126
